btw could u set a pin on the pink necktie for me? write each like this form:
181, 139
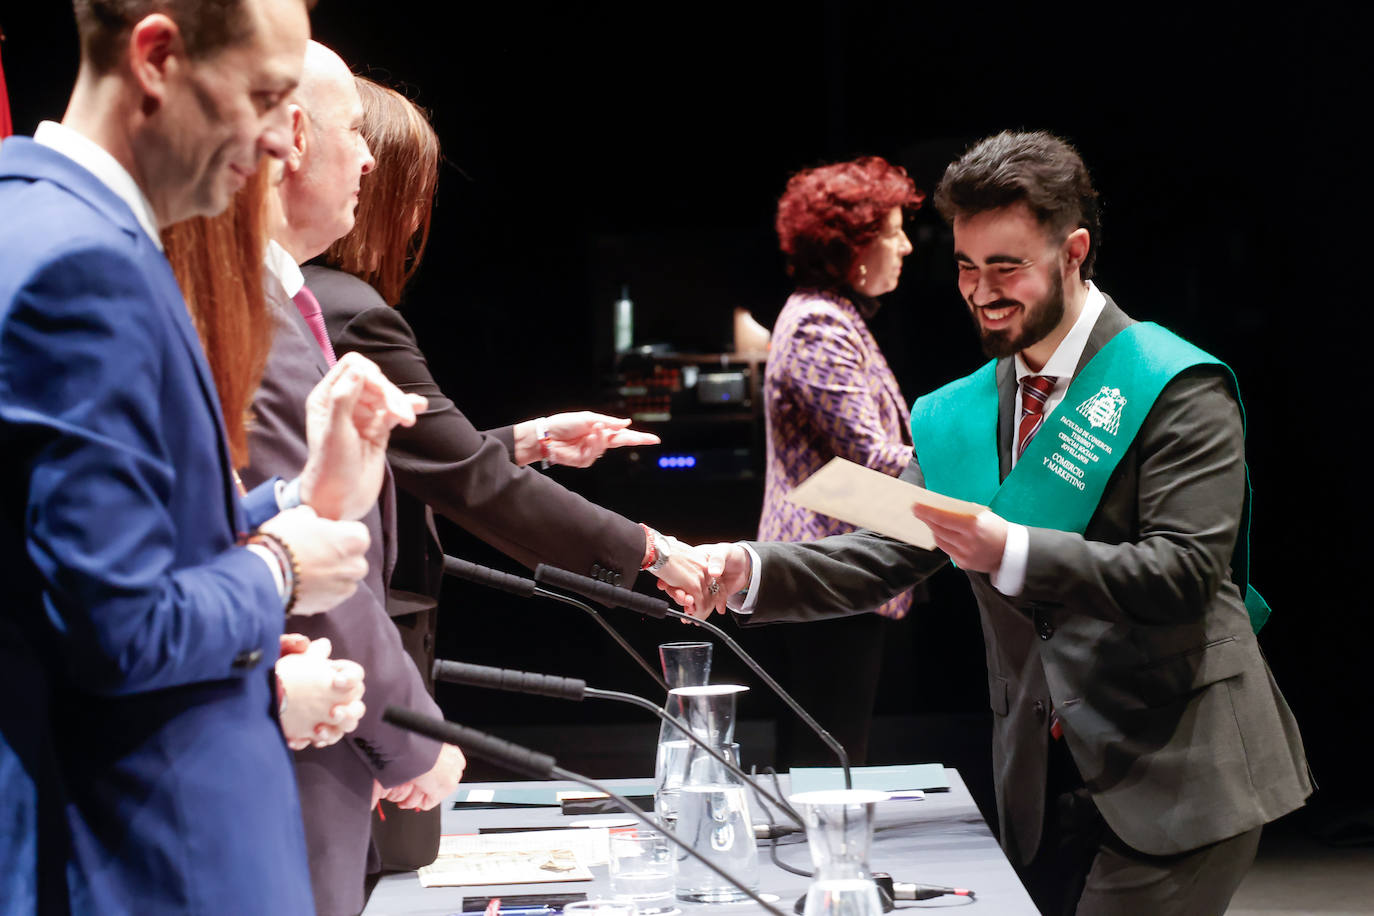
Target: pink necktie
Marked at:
309, 308
1035, 390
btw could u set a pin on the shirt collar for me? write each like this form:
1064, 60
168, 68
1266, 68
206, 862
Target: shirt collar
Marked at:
95, 159
1064, 361
281, 265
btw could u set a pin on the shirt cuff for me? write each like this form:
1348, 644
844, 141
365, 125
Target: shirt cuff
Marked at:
742, 602
273, 566
1010, 577
288, 494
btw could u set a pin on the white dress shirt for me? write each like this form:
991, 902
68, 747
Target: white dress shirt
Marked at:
1010, 577
284, 268
93, 157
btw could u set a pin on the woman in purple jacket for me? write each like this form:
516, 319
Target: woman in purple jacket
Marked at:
829, 392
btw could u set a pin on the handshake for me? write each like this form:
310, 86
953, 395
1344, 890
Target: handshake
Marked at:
701, 579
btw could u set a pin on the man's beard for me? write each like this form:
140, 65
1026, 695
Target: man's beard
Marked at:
1037, 321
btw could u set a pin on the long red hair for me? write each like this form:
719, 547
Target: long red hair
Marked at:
218, 261
397, 197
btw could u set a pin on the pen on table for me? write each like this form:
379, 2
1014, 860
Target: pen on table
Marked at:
516, 911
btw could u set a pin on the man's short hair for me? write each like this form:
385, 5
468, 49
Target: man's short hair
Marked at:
1037, 169
206, 25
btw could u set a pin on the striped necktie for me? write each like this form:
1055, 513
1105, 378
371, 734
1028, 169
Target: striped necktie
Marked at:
1035, 390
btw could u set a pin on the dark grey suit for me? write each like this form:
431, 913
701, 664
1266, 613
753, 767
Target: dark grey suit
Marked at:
336, 782
1135, 632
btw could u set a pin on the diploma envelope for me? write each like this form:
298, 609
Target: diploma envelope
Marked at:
870, 499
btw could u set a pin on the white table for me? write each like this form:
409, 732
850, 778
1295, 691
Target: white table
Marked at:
942, 840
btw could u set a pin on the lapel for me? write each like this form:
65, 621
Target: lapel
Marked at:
25, 159
386, 500
1109, 324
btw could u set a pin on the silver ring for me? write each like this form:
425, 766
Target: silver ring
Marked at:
714, 586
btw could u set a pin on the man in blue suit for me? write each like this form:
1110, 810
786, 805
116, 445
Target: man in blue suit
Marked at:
141, 763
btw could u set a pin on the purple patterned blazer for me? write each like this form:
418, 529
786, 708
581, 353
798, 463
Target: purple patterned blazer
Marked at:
827, 391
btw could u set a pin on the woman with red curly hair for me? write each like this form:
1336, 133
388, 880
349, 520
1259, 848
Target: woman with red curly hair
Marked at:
828, 392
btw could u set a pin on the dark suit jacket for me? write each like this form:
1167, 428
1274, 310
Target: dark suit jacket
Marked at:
142, 768
336, 782
466, 475
445, 464
1135, 632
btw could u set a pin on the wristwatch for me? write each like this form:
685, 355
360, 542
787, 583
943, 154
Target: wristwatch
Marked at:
663, 550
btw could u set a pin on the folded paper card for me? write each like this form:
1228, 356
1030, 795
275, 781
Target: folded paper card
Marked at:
871, 499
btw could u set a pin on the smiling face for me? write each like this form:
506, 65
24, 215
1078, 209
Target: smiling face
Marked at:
224, 111
1011, 275
878, 265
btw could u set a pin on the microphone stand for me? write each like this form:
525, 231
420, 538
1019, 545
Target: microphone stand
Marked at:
542, 766
825, 736
567, 688
612, 596
620, 640
528, 588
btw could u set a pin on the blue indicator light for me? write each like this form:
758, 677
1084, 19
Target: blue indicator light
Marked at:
677, 461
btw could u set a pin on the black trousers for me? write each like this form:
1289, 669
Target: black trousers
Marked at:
832, 671
1084, 869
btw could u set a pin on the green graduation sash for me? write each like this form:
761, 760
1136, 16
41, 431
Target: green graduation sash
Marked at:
1059, 480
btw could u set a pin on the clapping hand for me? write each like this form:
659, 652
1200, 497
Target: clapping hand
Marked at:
349, 416
330, 556
322, 697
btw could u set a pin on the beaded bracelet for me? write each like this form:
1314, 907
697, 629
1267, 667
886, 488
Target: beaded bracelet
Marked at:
286, 559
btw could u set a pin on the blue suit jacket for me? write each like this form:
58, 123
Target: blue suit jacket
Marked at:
141, 764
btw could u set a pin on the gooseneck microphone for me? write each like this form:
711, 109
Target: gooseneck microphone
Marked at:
528, 588
542, 766
601, 592
612, 596
569, 688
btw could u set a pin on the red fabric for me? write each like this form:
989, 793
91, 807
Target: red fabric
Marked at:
6, 125
1035, 391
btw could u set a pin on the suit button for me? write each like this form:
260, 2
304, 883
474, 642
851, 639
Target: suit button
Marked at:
1038, 707
596, 570
248, 659
1044, 628
615, 578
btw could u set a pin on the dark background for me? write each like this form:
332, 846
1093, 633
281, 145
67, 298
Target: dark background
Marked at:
591, 145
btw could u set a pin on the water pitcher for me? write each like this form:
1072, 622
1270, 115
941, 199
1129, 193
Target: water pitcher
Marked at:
839, 829
712, 810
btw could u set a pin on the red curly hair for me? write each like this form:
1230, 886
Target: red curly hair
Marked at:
828, 214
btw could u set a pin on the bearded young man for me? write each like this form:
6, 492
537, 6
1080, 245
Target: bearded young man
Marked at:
1139, 739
